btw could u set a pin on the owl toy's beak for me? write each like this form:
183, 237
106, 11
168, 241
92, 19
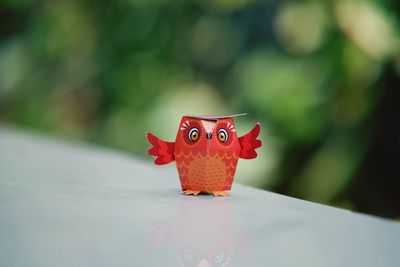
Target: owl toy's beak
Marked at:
208, 127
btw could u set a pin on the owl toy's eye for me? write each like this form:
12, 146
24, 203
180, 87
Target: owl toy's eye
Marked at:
193, 134
223, 135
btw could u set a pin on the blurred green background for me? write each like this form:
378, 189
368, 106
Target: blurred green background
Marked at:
322, 77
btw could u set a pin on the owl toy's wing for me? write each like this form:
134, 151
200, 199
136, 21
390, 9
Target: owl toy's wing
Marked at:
249, 143
161, 150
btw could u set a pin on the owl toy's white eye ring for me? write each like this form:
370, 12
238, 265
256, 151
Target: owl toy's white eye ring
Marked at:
194, 134
223, 135
219, 255
189, 256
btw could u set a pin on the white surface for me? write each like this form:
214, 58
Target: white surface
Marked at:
75, 205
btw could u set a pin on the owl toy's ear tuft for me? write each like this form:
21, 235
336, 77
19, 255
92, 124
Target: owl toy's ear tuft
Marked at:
250, 143
162, 151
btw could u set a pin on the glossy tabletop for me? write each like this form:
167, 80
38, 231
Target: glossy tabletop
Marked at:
64, 204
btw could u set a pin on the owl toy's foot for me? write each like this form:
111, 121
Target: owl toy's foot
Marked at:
191, 192
219, 193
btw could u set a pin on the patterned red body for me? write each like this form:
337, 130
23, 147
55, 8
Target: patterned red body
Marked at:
208, 164
206, 151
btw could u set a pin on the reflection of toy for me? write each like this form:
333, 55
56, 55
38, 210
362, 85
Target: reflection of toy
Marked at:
206, 151
203, 233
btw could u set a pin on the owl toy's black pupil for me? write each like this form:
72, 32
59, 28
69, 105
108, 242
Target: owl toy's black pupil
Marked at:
223, 135
194, 134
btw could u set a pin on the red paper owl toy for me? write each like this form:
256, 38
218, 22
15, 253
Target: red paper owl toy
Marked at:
206, 151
